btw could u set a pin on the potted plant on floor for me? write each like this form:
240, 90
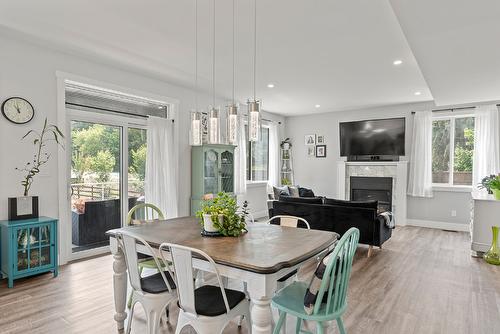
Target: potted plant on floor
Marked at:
26, 206
495, 186
221, 216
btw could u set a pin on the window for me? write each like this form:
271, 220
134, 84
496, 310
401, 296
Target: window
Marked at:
452, 150
258, 157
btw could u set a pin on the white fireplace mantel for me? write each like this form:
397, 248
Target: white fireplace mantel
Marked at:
398, 170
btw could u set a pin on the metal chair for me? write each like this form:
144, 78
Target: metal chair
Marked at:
154, 292
208, 308
290, 300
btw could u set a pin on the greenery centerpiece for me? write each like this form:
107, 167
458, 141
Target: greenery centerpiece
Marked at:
221, 214
485, 183
494, 185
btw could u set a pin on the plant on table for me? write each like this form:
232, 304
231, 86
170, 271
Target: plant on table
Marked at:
224, 205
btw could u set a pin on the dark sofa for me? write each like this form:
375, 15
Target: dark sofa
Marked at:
337, 216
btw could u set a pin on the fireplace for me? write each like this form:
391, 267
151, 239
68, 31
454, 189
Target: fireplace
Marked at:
366, 188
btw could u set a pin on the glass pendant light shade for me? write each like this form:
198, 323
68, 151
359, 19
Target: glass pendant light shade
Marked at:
232, 124
253, 120
213, 126
195, 133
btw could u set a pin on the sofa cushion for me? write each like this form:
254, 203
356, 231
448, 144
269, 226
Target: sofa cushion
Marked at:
304, 192
294, 191
303, 200
351, 204
281, 191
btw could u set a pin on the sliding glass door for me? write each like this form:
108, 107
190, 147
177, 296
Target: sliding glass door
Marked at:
108, 162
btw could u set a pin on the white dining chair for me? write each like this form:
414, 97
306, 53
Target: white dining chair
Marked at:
208, 308
154, 292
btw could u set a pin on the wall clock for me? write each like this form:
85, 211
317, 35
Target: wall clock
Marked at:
18, 110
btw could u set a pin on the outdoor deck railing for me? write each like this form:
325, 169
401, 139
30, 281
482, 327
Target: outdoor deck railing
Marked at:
101, 190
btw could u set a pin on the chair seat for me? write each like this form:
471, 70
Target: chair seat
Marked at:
287, 276
156, 284
209, 301
291, 300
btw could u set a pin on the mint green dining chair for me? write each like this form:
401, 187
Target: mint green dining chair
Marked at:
290, 300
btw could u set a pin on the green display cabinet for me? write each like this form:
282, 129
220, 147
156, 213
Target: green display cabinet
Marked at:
28, 247
212, 172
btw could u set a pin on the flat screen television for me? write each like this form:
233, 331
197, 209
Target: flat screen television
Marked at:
378, 137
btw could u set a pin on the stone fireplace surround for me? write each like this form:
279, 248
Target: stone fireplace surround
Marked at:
398, 170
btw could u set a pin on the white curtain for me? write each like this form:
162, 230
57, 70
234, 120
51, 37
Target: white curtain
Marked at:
273, 154
161, 166
420, 176
486, 143
240, 160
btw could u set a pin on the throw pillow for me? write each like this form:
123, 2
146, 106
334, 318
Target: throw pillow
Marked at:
305, 200
280, 191
294, 191
304, 192
352, 204
312, 291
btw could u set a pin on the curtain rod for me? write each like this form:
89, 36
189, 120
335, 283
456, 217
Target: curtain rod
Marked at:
113, 111
453, 109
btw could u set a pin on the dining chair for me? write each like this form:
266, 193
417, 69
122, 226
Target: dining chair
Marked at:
208, 308
154, 292
140, 213
334, 283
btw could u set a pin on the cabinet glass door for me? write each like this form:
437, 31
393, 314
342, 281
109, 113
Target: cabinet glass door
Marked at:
33, 248
22, 237
211, 173
227, 172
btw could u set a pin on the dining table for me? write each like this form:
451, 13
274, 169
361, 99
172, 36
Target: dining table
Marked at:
259, 257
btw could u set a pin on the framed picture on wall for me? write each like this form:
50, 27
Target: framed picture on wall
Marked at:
320, 151
310, 139
320, 139
311, 151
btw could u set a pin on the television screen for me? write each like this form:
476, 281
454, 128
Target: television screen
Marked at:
373, 137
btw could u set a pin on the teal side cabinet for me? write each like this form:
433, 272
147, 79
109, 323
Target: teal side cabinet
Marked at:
28, 247
212, 171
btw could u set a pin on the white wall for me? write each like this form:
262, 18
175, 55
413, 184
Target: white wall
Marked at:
29, 70
320, 173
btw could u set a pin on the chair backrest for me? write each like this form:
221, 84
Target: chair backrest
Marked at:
182, 259
337, 273
144, 211
290, 221
128, 242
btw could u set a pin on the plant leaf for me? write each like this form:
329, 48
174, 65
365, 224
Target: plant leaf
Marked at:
27, 133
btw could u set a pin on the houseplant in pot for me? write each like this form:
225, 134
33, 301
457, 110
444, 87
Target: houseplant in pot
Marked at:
222, 216
485, 183
494, 184
26, 206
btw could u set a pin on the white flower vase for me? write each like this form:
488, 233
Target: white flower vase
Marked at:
208, 224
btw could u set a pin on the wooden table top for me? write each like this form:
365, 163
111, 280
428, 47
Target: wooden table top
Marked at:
264, 249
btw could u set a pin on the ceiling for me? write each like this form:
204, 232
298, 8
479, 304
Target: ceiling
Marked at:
337, 54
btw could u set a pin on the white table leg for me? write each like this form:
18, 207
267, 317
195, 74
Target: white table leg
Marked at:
119, 283
261, 316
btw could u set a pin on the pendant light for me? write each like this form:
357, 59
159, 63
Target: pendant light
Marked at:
254, 105
232, 109
213, 113
196, 138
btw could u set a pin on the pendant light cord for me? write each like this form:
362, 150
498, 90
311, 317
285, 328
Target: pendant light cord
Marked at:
255, 50
196, 54
213, 56
234, 43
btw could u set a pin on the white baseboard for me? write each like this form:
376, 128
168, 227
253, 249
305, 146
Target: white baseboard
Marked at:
438, 225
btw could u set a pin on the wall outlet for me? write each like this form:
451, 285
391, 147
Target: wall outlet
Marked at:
453, 213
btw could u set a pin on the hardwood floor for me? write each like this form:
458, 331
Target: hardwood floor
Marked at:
423, 281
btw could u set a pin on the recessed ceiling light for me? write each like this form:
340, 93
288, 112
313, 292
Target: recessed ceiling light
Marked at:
397, 62
270, 85
317, 105
418, 93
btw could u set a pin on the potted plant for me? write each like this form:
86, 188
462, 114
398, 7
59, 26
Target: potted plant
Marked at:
27, 206
285, 182
286, 144
485, 183
495, 186
221, 215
